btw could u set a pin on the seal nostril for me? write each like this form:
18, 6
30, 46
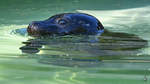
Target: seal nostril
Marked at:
32, 29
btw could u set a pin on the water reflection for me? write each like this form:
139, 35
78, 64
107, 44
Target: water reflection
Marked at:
83, 51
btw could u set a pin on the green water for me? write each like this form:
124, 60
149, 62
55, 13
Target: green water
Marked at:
50, 65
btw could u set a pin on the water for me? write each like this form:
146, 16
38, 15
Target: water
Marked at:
64, 62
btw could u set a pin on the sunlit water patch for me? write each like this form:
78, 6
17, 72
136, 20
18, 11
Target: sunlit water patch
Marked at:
10, 42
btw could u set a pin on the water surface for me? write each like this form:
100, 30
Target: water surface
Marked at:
67, 61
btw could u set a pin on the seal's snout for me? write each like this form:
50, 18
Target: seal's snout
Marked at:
33, 28
41, 28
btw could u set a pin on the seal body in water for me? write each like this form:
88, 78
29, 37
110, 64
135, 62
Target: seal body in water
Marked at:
75, 50
66, 24
84, 24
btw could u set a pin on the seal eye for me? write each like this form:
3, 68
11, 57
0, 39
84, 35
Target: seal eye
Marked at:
62, 22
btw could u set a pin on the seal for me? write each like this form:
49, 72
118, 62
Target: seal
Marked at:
66, 24
77, 50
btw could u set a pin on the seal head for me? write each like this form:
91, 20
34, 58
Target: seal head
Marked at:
66, 23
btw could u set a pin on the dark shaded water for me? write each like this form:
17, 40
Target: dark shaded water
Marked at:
68, 60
